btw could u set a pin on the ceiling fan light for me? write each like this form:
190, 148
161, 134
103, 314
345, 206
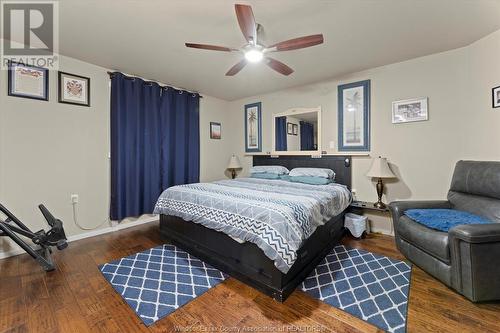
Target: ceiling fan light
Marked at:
254, 55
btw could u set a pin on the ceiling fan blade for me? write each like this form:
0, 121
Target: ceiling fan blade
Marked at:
298, 43
210, 47
236, 68
278, 66
247, 23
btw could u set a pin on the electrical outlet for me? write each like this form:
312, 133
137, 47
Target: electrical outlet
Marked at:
74, 198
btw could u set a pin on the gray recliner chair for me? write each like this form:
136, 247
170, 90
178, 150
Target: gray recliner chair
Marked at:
467, 258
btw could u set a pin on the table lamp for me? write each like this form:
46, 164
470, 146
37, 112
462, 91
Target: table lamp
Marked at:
380, 169
234, 163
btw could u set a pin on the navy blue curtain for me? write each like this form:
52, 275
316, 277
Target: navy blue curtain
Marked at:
143, 147
180, 147
306, 136
280, 133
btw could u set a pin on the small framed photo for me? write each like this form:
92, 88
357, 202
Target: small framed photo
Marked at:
74, 89
28, 81
410, 110
495, 92
295, 129
215, 130
289, 128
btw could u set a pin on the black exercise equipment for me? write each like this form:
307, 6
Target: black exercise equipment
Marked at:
12, 226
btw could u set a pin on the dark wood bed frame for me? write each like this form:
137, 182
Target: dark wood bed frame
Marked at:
246, 261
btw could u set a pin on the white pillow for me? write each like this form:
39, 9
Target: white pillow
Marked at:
313, 172
276, 169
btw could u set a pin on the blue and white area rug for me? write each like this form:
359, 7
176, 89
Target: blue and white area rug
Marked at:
158, 281
372, 287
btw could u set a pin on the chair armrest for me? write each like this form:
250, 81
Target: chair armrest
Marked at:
476, 233
398, 208
474, 250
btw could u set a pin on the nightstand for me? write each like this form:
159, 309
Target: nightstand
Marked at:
360, 207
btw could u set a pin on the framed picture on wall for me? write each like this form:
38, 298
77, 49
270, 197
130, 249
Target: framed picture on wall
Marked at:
74, 89
289, 128
354, 116
215, 130
295, 130
28, 81
495, 92
410, 110
253, 127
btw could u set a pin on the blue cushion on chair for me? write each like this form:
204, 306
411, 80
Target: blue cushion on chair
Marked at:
444, 219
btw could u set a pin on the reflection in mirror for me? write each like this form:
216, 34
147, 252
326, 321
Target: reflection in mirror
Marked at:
296, 132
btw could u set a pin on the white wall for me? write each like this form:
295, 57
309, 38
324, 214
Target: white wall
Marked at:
483, 136
50, 150
215, 154
462, 123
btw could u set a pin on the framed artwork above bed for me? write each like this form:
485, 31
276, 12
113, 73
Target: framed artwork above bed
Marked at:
253, 128
354, 116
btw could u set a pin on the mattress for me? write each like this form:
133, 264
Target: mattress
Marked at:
276, 215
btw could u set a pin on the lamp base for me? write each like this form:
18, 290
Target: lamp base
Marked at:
233, 173
380, 190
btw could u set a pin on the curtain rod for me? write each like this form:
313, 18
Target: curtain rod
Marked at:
161, 84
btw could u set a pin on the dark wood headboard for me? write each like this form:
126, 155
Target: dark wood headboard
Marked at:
340, 164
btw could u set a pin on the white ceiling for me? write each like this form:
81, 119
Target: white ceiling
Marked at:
146, 37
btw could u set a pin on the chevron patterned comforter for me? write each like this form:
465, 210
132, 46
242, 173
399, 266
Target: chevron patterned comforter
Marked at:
276, 215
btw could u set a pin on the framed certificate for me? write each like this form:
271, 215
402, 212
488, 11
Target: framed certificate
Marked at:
28, 81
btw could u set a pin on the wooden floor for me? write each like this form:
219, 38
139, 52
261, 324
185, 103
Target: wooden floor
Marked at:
76, 298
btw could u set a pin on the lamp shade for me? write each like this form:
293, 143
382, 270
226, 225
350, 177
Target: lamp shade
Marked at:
234, 163
380, 169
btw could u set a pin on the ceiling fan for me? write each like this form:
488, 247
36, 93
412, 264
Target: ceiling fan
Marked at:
255, 51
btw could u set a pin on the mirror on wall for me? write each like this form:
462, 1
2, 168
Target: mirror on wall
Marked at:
297, 130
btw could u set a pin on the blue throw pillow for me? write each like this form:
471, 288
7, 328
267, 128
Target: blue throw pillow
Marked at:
310, 180
444, 219
285, 177
265, 175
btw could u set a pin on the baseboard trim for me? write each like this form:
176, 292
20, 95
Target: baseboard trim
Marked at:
93, 233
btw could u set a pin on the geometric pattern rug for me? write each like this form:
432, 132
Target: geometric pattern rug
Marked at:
158, 281
372, 287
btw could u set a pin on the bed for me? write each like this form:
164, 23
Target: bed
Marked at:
277, 261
